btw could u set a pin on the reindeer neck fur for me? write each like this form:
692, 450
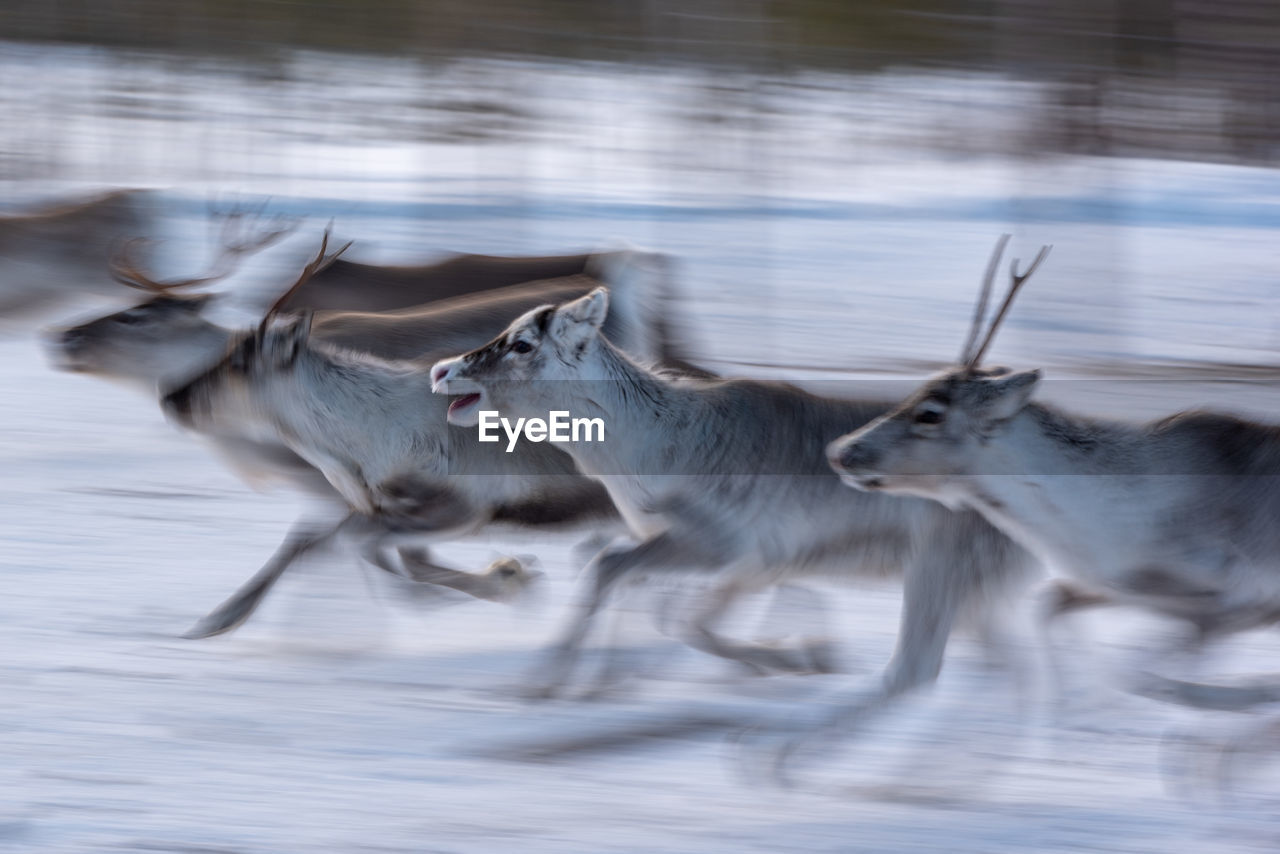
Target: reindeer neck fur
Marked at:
370, 413
1048, 479
1109, 501
639, 410
1042, 440
685, 450
207, 345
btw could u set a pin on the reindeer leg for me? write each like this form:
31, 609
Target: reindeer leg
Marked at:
1059, 599
761, 659
620, 664
1202, 695
935, 590
665, 552
502, 580
231, 614
425, 509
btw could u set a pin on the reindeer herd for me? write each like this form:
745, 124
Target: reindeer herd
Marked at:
362, 386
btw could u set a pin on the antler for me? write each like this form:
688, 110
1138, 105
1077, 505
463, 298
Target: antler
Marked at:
237, 241
1016, 281
317, 264
235, 218
984, 296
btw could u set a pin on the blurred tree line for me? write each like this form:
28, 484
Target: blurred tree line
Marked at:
1159, 77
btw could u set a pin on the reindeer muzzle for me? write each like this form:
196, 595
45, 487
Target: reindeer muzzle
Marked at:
852, 457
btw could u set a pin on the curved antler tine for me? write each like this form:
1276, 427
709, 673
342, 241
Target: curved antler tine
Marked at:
236, 241
238, 238
984, 297
1016, 282
125, 270
318, 263
1040, 256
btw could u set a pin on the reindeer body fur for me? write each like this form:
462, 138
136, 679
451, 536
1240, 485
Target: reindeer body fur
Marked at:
381, 438
1177, 515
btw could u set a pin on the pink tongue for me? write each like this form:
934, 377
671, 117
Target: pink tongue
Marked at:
465, 400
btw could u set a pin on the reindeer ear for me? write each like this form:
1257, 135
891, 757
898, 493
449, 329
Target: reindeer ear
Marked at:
575, 322
1008, 393
590, 309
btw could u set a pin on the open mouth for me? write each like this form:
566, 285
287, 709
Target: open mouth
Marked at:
863, 481
462, 404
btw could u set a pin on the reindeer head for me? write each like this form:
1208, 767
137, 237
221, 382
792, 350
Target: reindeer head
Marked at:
513, 371
158, 343
166, 339
943, 431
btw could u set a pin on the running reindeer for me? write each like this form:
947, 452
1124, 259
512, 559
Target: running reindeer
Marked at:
166, 342
1177, 515
372, 428
726, 479
60, 253
384, 442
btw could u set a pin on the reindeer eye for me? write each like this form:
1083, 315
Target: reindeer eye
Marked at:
929, 416
521, 347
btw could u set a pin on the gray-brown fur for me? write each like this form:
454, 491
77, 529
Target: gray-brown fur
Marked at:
728, 477
388, 288
381, 440
1176, 515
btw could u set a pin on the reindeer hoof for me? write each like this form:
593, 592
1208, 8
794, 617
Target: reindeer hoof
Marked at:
512, 578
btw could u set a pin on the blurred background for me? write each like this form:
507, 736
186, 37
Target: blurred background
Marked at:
830, 176
794, 154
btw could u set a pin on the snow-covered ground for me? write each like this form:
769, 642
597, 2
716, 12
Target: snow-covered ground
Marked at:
350, 717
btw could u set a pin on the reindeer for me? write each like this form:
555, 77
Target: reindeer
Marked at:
377, 304
380, 439
727, 479
166, 342
347, 285
1176, 515
49, 257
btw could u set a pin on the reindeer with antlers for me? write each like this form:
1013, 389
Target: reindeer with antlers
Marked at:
1176, 515
166, 342
726, 479
381, 440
